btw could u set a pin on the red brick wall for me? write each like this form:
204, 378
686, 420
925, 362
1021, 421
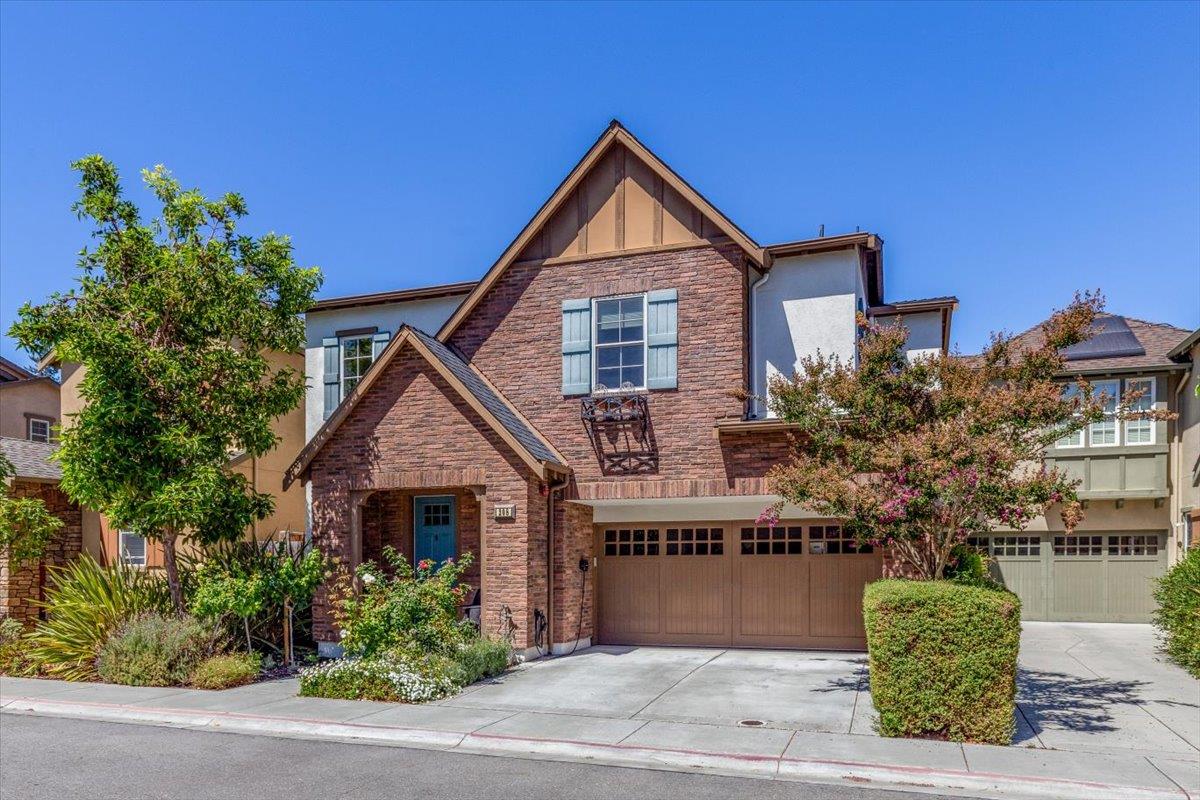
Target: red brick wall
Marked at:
21, 585
387, 519
411, 428
573, 540
514, 337
412, 421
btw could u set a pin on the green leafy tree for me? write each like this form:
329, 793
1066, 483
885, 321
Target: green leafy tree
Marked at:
173, 320
220, 593
919, 455
26, 526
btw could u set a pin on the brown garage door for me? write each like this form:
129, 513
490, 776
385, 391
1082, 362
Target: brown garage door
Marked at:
732, 584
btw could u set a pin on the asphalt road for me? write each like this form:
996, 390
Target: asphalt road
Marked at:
54, 759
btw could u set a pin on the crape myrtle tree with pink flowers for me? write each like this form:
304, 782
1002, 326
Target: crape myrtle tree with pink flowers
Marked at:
918, 455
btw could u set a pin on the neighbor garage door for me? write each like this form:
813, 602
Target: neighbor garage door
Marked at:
731, 584
1093, 577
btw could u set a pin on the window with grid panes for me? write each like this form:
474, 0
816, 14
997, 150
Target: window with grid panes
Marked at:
832, 540
1133, 545
695, 541
777, 541
631, 542
1078, 545
1016, 546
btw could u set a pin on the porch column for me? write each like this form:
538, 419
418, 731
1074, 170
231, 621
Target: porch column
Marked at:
357, 501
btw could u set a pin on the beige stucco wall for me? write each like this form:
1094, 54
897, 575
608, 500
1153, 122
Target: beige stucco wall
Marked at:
265, 474
39, 397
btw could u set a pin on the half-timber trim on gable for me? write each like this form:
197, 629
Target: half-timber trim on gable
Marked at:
616, 136
476, 390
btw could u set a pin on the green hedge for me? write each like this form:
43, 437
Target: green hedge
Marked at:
1178, 614
943, 659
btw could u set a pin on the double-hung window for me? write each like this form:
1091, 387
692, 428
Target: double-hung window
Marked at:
1140, 431
133, 549
348, 356
620, 342
39, 430
1070, 392
1104, 432
356, 357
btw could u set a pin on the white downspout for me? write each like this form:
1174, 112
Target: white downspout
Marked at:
755, 363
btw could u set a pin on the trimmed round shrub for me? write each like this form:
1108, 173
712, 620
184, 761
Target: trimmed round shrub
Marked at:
1178, 613
943, 659
227, 670
155, 650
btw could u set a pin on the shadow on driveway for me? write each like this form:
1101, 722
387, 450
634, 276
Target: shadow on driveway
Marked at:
1074, 703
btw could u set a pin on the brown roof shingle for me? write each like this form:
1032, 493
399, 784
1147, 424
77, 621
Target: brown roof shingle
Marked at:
1156, 338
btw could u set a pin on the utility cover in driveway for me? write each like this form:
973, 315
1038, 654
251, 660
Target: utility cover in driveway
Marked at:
796, 585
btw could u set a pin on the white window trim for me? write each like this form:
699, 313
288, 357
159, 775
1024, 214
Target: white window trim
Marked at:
29, 429
595, 345
1116, 395
121, 550
1151, 395
369, 338
1081, 433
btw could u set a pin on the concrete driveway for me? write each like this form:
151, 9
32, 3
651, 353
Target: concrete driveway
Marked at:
780, 689
1104, 688
1090, 687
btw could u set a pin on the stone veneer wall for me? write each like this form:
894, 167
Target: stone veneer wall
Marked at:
21, 585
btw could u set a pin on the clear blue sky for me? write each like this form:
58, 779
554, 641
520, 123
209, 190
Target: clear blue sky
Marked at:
1008, 154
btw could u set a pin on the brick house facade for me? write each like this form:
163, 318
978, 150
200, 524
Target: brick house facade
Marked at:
653, 487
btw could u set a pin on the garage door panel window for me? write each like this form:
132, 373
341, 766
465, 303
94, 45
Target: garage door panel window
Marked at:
1133, 545
777, 541
695, 541
832, 540
1078, 545
631, 542
1015, 546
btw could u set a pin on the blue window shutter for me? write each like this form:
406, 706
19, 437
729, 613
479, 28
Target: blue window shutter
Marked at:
333, 384
662, 339
577, 346
378, 342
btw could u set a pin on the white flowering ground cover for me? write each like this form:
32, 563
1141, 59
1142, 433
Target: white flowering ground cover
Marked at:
386, 678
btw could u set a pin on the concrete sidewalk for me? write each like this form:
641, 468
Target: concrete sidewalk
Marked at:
273, 709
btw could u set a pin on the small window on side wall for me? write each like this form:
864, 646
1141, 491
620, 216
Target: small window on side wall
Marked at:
39, 430
132, 549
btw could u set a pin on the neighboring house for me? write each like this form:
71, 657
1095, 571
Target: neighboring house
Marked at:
573, 421
29, 404
1137, 482
108, 544
36, 475
1185, 445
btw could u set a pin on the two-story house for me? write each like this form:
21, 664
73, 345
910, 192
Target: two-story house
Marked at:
572, 420
29, 404
1133, 480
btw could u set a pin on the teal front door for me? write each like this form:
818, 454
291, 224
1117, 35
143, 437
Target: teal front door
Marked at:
434, 528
